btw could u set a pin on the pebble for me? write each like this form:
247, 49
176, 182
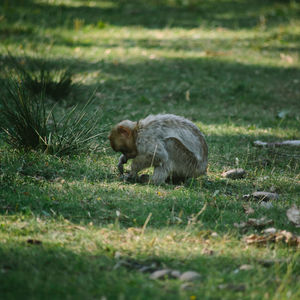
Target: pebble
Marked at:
189, 276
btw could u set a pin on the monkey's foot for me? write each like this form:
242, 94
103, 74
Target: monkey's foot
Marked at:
135, 179
128, 178
144, 178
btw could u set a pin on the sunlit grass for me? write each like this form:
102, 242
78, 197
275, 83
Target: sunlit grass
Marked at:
230, 67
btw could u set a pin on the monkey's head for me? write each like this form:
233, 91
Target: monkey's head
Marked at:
123, 138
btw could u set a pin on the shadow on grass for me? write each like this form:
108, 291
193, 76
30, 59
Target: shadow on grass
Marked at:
50, 271
219, 91
149, 14
87, 189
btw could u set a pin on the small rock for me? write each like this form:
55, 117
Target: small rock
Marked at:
189, 276
265, 196
234, 173
293, 214
266, 205
175, 274
246, 267
148, 269
160, 274
270, 230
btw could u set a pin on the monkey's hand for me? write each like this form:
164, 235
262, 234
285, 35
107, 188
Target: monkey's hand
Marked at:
129, 178
122, 161
144, 178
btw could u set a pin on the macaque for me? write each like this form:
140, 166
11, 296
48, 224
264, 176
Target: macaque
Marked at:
173, 145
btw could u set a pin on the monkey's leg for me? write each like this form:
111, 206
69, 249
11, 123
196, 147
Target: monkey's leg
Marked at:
160, 175
138, 164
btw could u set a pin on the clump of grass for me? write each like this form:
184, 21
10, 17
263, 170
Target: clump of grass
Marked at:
38, 77
23, 116
73, 133
28, 126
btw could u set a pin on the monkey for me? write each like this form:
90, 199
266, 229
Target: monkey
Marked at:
173, 145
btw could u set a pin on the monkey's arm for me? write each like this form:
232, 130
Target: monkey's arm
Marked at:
122, 161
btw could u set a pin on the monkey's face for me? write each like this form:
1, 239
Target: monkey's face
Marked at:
123, 142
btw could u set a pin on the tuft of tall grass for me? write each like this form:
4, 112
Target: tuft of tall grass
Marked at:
74, 132
27, 124
38, 77
23, 116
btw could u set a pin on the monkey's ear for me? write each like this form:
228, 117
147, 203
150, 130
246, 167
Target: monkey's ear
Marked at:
125, 131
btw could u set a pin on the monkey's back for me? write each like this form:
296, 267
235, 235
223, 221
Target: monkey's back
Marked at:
185, 142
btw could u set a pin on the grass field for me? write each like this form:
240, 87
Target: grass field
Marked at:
71, 229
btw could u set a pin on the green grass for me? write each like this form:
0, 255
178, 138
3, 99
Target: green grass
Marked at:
231, 67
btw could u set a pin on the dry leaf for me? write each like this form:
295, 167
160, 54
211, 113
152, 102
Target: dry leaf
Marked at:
234, 173
248, 209
207, 251
246, 267
280, 236
263, 196
187, 95
287, 58
256, 223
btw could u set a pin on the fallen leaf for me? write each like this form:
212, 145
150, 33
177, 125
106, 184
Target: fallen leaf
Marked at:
206, 251
293, 214
263, 196
187, 95
255, 239
234, 173
246, 267
262, 222
280, 236
287, 58
248, 209
256, 223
